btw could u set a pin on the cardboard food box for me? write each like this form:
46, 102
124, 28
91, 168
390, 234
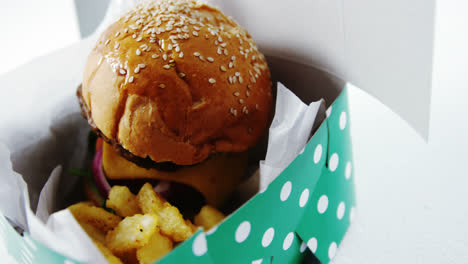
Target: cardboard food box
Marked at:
308, 208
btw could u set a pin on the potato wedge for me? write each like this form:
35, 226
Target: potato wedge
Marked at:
131, 233
95, 216
157, 247
123, 201
208, 217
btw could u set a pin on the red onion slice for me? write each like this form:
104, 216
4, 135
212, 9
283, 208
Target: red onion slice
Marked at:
98, 175
163, 188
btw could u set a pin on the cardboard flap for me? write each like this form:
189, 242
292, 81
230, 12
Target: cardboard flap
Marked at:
383, 47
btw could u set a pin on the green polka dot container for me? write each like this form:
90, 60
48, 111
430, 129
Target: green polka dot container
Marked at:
306, 210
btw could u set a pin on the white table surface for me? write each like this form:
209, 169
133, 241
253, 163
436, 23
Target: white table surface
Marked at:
412, 195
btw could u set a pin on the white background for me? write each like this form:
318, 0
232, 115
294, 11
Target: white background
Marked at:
412, 195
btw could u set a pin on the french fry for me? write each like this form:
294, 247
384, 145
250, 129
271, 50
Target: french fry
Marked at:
157, 247
208, 217
172, 224
94, 233
131, 233
111, 258
171, 221
148, 200
95, 216
123, 201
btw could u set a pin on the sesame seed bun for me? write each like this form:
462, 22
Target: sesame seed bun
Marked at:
176, 81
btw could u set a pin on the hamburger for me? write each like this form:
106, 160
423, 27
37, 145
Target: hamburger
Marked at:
177, 93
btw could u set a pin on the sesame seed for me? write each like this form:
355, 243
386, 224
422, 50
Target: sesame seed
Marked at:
196, 28
162, 86
209, 59
220, 39
169, 47
138, 52
134, 36
253, 80
196, 54
181, 74
226, 52
237, 73
177, 48
117, 34
236, 94
137, 69
245, 110
230, 65
154, 56
253, 57
122, 71
195, 33
220, 51
241, 101
223, 45
234, 79
181, 54
107, 42
167, 67
117, 45
256, 106
142, 65
241, 79
230, 79
223, 68
247, 93
233, 111
211, 80
233, 58
130, 80
139, 39
164, 56
171, 61
201, 58
126, 30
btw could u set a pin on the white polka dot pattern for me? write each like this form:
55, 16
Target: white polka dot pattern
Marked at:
312, 244
242, 232
340, 211
333, 163
285, 191
268, 237
322, 204
304, 198
288, 241
199, 246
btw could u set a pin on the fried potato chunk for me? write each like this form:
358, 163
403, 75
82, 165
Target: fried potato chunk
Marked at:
148, 200
157, 247
94, 233
131, 233
111, 258
95, 216
123, 201
208, 217
171, 222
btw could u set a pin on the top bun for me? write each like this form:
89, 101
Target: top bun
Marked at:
176, 81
